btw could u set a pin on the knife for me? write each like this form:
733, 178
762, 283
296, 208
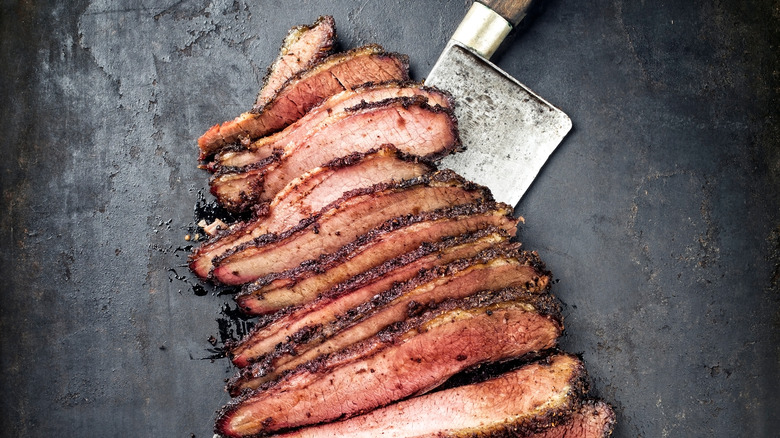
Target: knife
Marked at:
508, 131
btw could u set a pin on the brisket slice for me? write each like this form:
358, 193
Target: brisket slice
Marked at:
303, 47
343, 221
495, 268
320, 116
308, 194
410, 358
536, 397
393, 239
305, 90
264, 337
409, 123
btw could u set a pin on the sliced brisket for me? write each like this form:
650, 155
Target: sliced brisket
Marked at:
321, 116
304, 91
281, 328
379, 307
521, 403
410, 358
308, 194
391, 240
409, 123
342, 222
303, 47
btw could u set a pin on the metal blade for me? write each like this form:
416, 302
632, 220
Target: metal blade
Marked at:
508, 131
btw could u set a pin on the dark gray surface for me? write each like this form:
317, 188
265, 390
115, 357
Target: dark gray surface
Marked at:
658, 215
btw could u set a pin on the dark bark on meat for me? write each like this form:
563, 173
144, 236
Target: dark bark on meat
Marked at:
303, 47
240, 156
306, 90
593, 419
392, 239
263, 338
538, 400
308, 194
497, 267
411, 358
409, 123
342, 222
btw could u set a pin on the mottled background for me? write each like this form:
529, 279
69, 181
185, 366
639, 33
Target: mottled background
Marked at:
659, 215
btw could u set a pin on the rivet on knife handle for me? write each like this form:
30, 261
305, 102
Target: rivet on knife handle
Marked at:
483, 29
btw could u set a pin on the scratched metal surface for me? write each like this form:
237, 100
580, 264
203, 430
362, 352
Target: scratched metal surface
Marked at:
658, 215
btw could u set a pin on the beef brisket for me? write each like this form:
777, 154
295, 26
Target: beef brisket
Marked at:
534, 401
409, 123
495, 268
303, 47
308, 194
305, 90
342, 222
410, 358
395, 238
264, 337
241, 155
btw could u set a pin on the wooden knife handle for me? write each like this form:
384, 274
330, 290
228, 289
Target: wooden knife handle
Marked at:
513, 11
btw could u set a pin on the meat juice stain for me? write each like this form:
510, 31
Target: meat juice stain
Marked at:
210, 210
232, 325
197, 288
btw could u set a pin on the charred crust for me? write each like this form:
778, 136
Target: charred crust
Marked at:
479, 300
507, 251
417, 314
592, 407
406, 84
388, 337
425, 249
556, 416
214, 165
438, 178
327, 261
222, 171
363, 88
213, 140
365, 278
335, 59
383, 150
402, 101
255, 171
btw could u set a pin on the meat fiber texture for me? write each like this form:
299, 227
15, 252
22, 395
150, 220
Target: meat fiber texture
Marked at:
409, 123
539, 400
415, 359
398, 237
495, 268
296, 321
241, 155
341, 223
308, 194
304, 91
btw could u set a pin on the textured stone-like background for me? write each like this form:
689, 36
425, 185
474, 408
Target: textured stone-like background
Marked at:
659, 214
